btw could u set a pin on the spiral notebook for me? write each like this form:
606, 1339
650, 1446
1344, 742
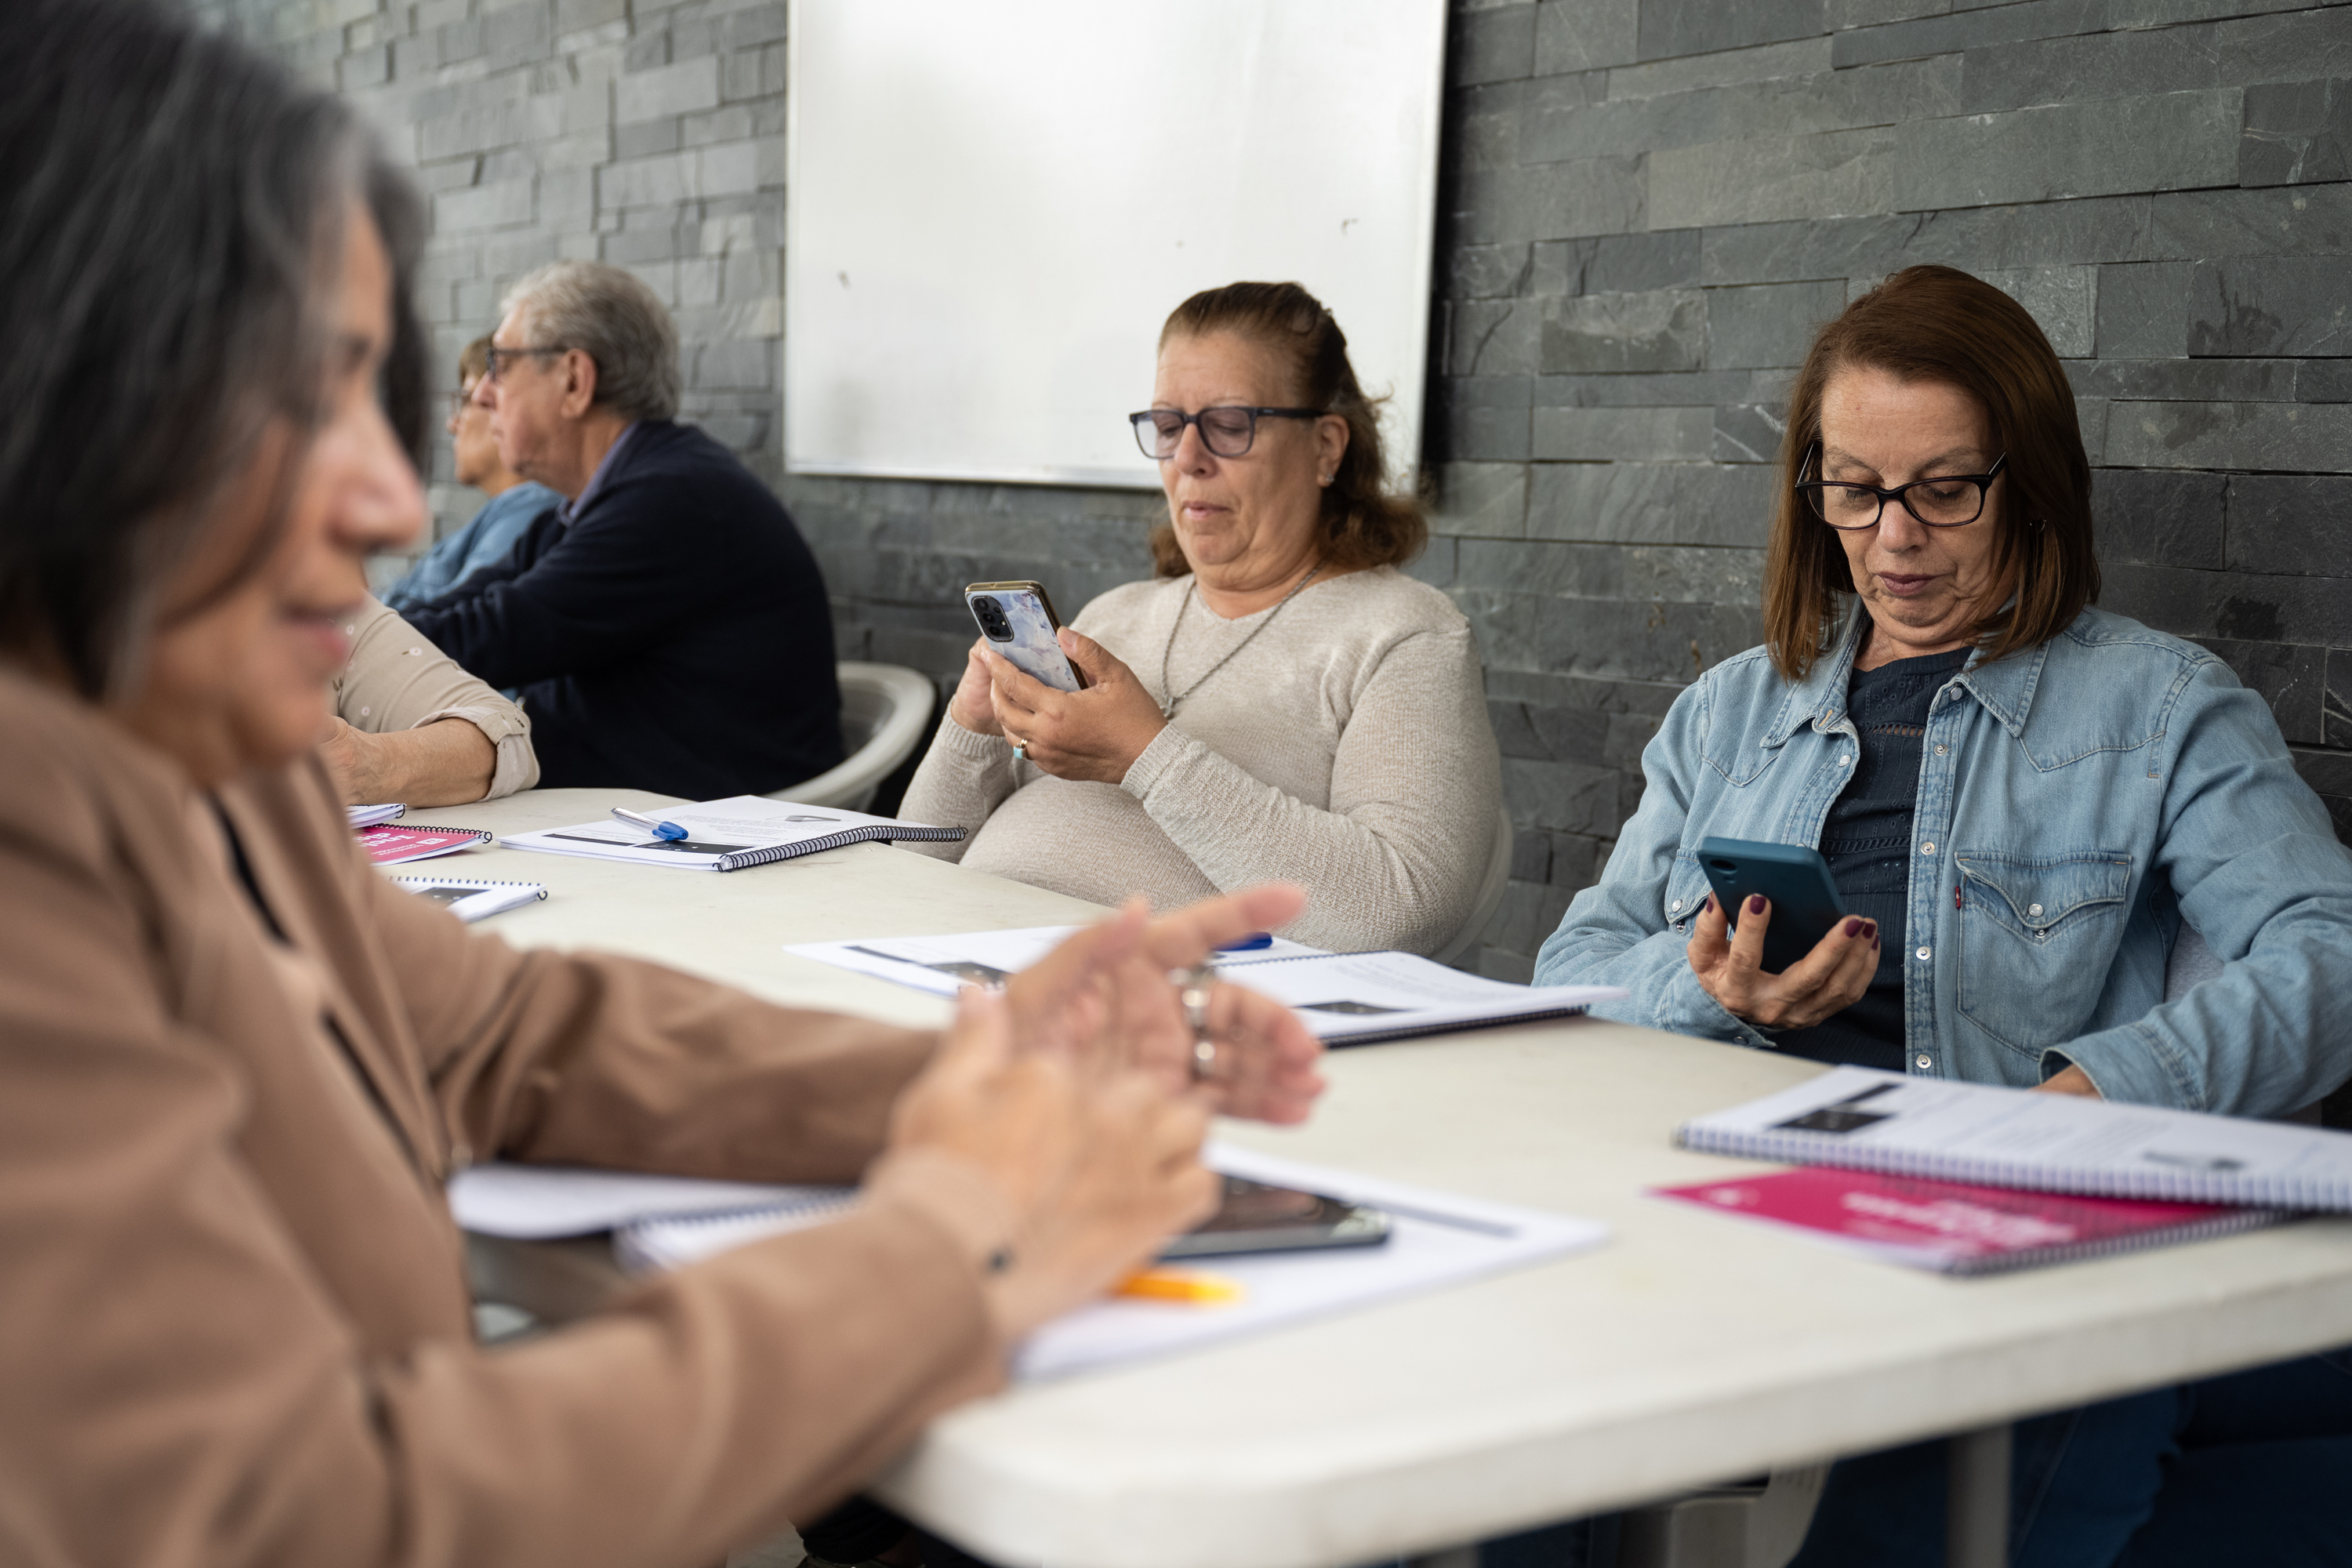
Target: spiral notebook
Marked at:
389, 845
1954, 1228
730, 835
672, 1241
1865, 1119
471, 899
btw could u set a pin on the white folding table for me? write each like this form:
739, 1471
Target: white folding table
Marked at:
1692, 1347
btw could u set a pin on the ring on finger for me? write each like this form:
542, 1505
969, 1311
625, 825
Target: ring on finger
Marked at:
1020, 748
1192, 991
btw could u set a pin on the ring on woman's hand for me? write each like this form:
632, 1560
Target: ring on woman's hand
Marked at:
1192, 995
1021, 751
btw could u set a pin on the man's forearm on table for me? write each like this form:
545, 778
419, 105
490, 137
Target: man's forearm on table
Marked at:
446, 762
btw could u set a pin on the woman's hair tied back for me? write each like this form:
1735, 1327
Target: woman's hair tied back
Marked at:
1364, 524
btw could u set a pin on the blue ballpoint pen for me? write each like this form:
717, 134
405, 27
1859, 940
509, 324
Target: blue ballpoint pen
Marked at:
1252, 943
652, 825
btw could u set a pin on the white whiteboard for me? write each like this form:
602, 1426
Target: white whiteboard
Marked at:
992, 205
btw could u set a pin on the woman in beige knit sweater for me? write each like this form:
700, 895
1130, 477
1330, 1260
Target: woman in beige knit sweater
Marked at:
1280, 701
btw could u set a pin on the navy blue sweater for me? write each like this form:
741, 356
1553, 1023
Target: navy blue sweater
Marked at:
1867, 842
674, 637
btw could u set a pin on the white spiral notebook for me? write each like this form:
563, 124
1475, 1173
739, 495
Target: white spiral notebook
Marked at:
1866, 1119
471, 899
731, 835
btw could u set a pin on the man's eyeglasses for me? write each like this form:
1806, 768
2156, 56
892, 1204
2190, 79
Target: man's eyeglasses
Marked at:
1950, 501
501, 358
1226, 432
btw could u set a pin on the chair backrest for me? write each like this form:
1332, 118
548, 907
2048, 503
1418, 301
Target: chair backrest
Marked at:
1490, 890
885, 711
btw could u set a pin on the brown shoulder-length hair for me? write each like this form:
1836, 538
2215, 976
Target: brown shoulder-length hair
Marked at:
1363, 524
1937, 323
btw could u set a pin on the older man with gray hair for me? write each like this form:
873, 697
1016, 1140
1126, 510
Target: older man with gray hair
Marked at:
667, 626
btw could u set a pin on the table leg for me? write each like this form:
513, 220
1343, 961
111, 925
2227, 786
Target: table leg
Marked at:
1976, 1521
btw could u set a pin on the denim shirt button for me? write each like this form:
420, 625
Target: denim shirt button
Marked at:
1923, 1062
1928, 847
1923, 956
1941, 749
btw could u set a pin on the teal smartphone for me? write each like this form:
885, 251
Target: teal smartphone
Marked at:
1793, 878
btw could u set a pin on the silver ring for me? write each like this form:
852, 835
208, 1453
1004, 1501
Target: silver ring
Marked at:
1192, 991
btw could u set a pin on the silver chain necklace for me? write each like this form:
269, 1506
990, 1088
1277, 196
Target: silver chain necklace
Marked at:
1168, 708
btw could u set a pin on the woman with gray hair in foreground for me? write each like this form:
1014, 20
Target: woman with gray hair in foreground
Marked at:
238, 1065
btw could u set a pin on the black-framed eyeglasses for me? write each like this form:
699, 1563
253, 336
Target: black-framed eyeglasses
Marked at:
1226, 432
1946, 501
501, 358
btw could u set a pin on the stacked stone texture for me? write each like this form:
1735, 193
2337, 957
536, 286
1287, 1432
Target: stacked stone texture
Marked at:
1648, 205
648, 135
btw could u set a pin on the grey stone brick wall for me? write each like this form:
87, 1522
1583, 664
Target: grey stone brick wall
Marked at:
1647, 206
642, 134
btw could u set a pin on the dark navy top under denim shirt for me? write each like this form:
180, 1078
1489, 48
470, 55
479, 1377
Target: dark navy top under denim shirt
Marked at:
1867, 842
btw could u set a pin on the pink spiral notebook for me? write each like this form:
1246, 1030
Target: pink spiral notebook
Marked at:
1958, 1229
391, 846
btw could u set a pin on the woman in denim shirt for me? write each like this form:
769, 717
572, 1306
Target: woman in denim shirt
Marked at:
2023, 802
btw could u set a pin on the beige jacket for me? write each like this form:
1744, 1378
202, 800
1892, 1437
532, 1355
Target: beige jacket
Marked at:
234, 1327
397, 679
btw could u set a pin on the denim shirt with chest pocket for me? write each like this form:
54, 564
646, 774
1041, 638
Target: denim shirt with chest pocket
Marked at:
2076, 802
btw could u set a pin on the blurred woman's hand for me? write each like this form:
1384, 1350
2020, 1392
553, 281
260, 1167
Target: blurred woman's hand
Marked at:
1094, 734
1095, 1169
1827, 980
1104, 998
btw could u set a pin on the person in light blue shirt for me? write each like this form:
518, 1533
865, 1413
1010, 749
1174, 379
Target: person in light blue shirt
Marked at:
514, 505
2025, 803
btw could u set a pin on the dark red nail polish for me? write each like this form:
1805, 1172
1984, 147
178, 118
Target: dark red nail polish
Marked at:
1755, 904
1853, 928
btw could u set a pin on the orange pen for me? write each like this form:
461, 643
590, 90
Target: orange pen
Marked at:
1186, 1284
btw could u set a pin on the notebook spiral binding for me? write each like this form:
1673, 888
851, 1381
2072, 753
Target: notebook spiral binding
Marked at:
743, 859
2074, 1252
638, 1247
2177, 1186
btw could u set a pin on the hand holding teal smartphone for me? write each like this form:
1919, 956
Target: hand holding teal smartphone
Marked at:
1794, 880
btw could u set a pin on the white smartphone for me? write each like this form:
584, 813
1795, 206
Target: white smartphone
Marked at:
1019, 622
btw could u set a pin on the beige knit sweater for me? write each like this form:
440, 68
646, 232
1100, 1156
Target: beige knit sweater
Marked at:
1346, 749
